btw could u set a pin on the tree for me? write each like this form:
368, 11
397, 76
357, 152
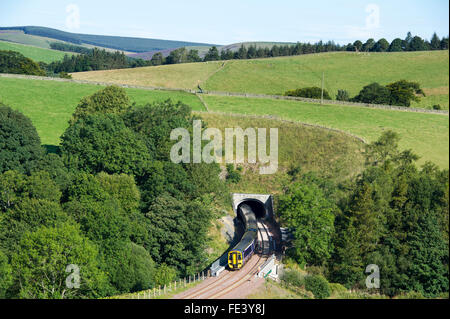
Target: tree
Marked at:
407, 42
305, 210
44, 255
368, 45
396, 45
435, 42
193, 56
381, 46
178, 232
157, 59
358, 45
20, 145
212, 54
242, 52
403, 92
417, 44
154, 122
177, 56
6, 276
110, 100
397, 218
373, 93
165, 275
444, 43
309, 92
16, 63
98, 143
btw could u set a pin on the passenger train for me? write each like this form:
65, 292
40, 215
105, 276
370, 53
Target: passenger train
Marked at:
239, 255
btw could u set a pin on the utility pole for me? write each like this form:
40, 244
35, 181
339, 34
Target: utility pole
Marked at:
321, 97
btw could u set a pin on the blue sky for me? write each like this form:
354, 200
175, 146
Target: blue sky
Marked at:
230, 21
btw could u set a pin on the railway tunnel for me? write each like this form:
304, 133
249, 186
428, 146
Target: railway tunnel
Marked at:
262, 206
257, 207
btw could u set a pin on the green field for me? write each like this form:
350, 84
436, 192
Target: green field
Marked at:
333, 155
183, 76
20, 37
426, 134
34, 53
343, 70
50, 104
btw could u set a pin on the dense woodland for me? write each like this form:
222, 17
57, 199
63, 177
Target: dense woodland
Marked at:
15, 63
109, 201
394, 215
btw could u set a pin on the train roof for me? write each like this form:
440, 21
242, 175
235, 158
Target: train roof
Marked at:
246, 240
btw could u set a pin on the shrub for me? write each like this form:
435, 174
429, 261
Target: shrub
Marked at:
64, 75
309, 92
293, 278
318, 285
233, 175
342, 95
337, 289
437, 107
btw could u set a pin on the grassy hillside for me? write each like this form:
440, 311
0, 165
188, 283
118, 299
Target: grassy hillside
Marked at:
113, 42
426, 134
18, 36
50, 104
343, 70
186, 75
34, 53
333, 155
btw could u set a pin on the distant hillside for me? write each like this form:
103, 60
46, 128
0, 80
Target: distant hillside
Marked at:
203, 49
149, 54
113, 42
342, 70
35, 53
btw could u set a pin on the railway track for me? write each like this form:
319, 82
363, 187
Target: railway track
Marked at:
232, 280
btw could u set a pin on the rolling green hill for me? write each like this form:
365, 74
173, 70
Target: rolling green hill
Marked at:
426, 134
185, 75
35, 53
50, 104
114, 42
342, 70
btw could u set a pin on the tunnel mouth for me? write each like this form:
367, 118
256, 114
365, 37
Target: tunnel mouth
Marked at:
257, 207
